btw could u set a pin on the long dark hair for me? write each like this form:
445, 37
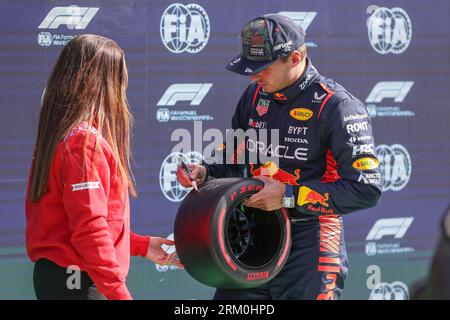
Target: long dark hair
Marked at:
88, 83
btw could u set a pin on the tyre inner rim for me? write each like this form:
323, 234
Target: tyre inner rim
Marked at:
254, 237
239, 231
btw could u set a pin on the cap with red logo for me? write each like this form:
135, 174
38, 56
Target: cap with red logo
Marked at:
264, 40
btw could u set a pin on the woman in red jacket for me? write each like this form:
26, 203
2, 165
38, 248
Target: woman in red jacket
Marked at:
77, 207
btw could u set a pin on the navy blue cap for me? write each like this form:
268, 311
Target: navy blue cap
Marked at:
264, 40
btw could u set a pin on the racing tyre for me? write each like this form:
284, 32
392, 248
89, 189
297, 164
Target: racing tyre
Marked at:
223, 243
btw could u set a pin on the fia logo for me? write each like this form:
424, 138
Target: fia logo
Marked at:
168, 181
390, 30
396, 167
185, 28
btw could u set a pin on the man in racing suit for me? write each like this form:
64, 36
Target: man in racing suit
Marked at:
326, 164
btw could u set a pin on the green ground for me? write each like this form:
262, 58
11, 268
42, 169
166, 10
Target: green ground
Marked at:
146, 283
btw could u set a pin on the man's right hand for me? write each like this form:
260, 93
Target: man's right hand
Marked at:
198, 174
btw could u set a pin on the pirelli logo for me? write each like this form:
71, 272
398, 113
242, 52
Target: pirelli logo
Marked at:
257, 275
86, 185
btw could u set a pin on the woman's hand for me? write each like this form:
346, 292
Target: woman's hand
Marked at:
156, 254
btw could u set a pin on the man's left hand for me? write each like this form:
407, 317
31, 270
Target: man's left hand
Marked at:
269, 198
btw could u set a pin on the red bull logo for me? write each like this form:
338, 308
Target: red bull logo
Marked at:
279, 96
310, 196
320, 209
270, 169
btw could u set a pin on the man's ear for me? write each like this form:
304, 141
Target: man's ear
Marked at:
296, 58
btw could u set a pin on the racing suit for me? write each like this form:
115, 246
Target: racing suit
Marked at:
326, 152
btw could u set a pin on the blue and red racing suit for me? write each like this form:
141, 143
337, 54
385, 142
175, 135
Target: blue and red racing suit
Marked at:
326, 152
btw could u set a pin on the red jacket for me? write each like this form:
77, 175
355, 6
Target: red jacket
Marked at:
84, 220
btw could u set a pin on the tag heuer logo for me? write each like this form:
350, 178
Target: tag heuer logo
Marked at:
263, 106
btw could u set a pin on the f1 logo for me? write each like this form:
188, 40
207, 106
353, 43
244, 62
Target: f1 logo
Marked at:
193, 92
73, 17
396, 90
396, 227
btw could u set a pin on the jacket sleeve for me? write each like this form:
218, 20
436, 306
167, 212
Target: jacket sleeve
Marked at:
224, 162
352, 180
139, 244
86, 185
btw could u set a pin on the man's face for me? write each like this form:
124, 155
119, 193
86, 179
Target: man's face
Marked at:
276, 77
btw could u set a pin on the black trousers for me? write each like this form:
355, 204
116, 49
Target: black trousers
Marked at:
52, 282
